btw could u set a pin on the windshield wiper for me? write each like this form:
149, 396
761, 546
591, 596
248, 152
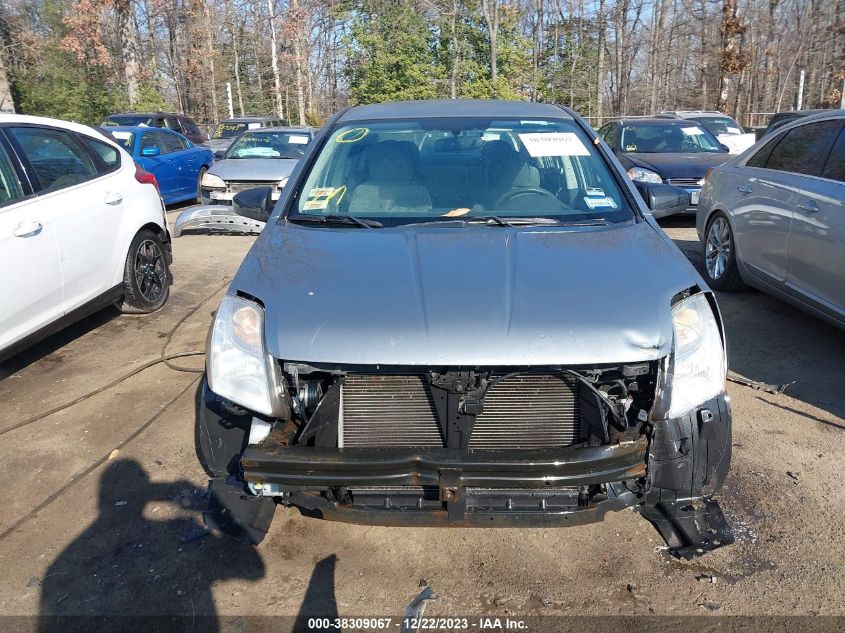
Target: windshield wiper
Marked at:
334, 218
495, 220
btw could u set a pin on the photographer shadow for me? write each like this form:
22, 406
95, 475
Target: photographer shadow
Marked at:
128, 572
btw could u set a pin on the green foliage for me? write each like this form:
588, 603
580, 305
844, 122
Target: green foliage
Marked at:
62, 87
392, 56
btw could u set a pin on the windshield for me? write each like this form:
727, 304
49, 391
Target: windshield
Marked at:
128, 120
719, 124
400, 172
671, 138
231, 130
269, 145
124, 138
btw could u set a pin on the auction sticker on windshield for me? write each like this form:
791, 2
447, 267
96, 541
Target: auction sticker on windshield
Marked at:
541, 144
298, 139
692, 131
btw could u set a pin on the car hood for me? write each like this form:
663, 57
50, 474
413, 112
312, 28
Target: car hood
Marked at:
259, 169
671, 165
465, 295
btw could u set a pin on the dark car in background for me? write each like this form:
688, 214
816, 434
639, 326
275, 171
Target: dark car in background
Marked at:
779, 119
723, 127
177, 164
675, 152
230, 129
180, 123
264, 156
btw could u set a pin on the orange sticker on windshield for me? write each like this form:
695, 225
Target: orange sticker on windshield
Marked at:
454, 213
352, 136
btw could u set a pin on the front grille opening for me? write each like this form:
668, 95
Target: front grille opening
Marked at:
529, 411
387, 411
521, 409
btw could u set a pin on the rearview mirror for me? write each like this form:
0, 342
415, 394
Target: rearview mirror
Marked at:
663, 200
255, 203
151, 151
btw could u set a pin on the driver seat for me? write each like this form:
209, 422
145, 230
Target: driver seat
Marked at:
504, 170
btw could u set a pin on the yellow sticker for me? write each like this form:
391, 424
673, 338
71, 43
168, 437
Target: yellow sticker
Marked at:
454, 213
319, 198
352, 136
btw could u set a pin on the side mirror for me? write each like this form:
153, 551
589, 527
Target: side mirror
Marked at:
219, 154
151, 151
725, 147
663, 200
255, 203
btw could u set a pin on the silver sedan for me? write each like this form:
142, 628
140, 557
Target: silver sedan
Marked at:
774, 217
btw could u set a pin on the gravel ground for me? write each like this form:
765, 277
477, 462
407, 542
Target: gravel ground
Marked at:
102, 507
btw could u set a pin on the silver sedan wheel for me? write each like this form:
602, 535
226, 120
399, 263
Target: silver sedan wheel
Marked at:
718, 248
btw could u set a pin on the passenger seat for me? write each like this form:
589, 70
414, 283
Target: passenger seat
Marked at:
392, 181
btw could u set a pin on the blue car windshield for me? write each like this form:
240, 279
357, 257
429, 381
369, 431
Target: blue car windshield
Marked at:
408, 171
683, 138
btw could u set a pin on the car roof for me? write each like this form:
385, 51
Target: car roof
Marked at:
654, 121
139, 128
8, 117
159, 113
448, 108
817, 115
249, 118
280, 128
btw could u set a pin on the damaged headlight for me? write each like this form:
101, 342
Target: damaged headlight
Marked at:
697, 368
238, 365
212, 182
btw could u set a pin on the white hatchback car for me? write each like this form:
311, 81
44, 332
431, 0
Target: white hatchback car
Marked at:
81, 227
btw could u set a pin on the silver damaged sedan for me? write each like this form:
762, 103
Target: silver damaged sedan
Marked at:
462, 313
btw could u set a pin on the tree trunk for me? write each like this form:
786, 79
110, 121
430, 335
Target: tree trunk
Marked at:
490, 10
127, 38
600, 65
456, 54
274, 61
298, 22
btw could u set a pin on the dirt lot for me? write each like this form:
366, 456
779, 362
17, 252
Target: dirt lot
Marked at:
101, 508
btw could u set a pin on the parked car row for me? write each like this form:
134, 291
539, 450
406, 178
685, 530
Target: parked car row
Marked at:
358, 391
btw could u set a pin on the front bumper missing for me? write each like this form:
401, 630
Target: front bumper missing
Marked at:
214, 218
669, 476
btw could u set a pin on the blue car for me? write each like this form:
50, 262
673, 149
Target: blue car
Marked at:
177, 164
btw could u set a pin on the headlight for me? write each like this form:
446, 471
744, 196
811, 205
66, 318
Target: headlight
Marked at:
696, 370
283, 182
641, 174
239, 367
212, 182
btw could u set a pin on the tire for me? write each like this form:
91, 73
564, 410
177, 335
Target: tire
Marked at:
719, 249
146, 275
199, 183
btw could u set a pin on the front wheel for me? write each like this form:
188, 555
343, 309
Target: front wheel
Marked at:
720, 255
146, 276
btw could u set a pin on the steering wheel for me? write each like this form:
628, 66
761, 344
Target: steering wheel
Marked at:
514, 196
